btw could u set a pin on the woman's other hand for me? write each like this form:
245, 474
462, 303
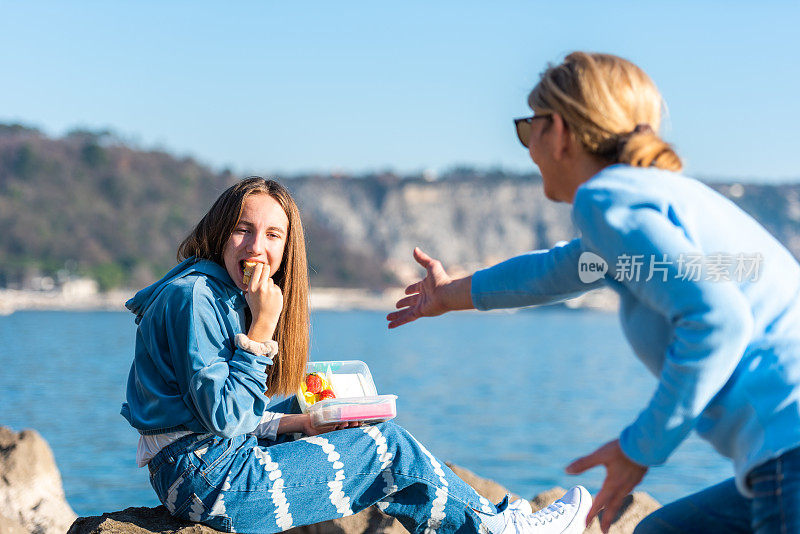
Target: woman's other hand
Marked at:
265, 300
434, 295
622, 475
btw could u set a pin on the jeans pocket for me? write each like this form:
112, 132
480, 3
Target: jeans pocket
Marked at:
214, 460
192, 509
160, 481
154, 472
171, 485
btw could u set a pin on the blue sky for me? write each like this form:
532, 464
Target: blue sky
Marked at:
287, 87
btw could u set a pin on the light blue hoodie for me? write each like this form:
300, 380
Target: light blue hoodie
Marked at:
187, 373
725, 347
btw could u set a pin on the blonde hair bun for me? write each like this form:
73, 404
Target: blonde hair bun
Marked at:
647, 149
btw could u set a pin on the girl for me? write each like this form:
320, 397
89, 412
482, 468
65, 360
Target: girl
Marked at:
209, 345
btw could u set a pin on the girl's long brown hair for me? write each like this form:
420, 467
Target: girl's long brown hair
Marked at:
208, 240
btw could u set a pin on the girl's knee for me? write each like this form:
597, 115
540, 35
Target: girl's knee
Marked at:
390, 430
395, 438
397, 435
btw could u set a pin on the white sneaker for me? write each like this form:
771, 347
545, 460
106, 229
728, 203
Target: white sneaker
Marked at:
565, 516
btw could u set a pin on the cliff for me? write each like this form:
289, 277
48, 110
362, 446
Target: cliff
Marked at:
467, 223
88, 204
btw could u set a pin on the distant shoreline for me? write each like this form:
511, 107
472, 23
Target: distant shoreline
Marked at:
336, 299
12, 300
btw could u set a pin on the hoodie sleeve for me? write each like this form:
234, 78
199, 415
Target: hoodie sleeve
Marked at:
268, 427
711, 320
222, 384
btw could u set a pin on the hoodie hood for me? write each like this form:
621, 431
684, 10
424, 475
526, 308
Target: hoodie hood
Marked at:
142, 300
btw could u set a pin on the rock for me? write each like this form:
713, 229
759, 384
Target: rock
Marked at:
634, 508
485, 487
9, 526
31, 494
147, 520
369, 521
546, 498
364, 522
136, 521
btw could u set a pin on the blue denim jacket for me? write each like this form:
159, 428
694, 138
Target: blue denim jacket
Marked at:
187, 373
725, 349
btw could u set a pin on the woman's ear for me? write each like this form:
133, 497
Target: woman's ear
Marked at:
563, 142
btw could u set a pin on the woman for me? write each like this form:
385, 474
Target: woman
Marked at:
210, 343
709, 299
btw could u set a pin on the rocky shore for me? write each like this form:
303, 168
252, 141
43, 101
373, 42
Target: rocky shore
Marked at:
32, 501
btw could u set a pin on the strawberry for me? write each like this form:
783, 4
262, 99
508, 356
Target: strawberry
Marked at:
314, 383
326, 394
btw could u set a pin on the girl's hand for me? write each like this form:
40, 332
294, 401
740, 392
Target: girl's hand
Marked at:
310, 430
265, 300
622, 475
434, 295
301, 422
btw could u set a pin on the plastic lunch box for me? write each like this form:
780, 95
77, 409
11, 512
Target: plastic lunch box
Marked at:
356, 396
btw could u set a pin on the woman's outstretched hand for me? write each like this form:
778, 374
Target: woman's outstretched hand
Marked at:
431, 296
265, 300
622, 475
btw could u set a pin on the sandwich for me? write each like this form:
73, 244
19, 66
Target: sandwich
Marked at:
247, 271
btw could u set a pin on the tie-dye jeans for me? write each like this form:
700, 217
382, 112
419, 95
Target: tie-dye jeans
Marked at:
252, 486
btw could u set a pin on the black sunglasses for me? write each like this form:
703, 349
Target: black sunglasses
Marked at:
523, 126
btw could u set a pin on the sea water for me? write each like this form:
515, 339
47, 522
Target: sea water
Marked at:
512, 397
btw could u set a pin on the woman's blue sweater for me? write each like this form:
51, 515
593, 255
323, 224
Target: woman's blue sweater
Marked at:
709, 303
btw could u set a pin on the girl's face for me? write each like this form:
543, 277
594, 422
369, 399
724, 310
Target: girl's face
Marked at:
260, 236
